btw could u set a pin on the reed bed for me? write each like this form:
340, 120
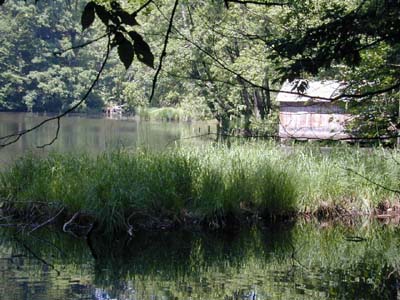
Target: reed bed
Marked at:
212, 184
171, 114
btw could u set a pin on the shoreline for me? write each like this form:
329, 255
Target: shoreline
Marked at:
83, 224
213, 186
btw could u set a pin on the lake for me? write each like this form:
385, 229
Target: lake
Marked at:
94, 134
291, 261
350, 259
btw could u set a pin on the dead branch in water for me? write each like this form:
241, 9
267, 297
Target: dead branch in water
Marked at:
66, 224
47, 221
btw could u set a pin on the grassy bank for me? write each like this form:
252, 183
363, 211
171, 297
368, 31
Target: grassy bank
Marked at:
172, 114
212, 185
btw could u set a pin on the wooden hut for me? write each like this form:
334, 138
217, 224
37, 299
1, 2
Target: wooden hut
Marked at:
311, 114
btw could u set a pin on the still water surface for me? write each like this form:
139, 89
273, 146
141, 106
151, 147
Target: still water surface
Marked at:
94, 134
303, 261
295, 261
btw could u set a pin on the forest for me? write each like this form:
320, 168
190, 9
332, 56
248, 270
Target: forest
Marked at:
192, 192
223, 60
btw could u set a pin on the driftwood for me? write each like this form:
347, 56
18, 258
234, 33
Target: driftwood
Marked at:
66, 224
47, 221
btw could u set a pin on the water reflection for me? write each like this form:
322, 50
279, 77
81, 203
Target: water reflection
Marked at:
304, 261
91, 134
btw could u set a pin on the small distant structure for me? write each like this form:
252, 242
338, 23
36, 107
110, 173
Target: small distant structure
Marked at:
309, 113
114, 110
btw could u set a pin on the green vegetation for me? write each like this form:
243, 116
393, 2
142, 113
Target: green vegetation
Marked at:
303, 261
32, 77
224, 59
222, 62
119, 188
213, 185
171, 114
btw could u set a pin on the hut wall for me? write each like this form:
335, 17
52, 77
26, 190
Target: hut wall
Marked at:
316, 121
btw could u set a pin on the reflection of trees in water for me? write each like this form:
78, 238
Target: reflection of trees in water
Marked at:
91, 134
304, 261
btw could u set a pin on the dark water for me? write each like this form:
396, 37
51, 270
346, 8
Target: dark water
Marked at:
94, 134
303, 261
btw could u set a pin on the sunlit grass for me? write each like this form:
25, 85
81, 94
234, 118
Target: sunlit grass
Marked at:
169, 114
213, 184
207, 185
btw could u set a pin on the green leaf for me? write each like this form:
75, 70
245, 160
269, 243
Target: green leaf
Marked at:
125, 52
118, 38
127, 18
142, 49
115, 6
88, 15
103, 14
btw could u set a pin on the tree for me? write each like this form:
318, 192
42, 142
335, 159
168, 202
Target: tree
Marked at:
355, 41
230, 56
33, 78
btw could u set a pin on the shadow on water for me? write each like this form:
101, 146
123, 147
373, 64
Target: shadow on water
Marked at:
302, 261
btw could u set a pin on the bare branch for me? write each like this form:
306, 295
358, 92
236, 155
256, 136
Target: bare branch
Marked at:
142, 7
37, 256
164, 51
47, 221
371, 181
241, 77
54, 138
200, 79
368, 94
66, 224
81, 45
256, 3
14, 137
223, 66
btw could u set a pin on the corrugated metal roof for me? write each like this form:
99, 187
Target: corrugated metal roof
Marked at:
315, 89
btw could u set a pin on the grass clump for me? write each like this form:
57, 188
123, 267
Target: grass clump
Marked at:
121, 189
212, 185
172, 114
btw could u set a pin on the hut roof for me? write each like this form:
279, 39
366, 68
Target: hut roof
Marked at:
314, 89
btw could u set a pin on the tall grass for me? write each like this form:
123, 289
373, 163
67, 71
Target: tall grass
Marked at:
171, 114
205, 185
209, 184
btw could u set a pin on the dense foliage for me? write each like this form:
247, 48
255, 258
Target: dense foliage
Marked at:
32, 78
223, 58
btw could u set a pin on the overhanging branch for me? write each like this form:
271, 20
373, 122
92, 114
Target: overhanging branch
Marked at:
14, 137
266, 3
164, 51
